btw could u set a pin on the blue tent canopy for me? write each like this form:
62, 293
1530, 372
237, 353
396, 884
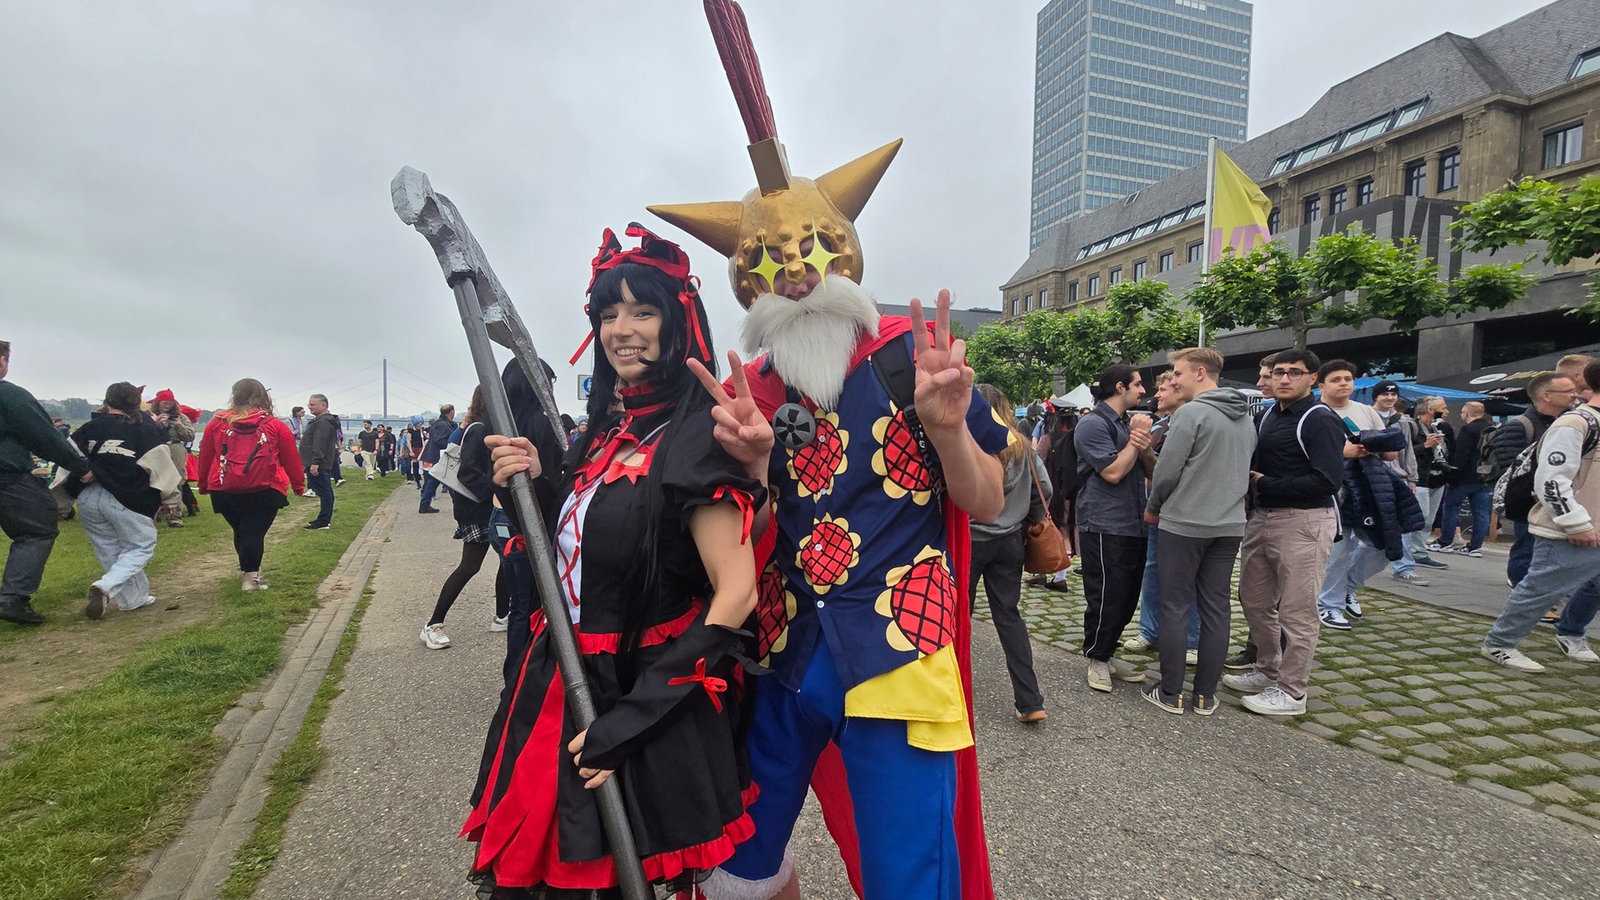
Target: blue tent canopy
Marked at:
1413, 392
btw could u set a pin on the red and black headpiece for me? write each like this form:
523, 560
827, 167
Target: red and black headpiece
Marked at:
657, 253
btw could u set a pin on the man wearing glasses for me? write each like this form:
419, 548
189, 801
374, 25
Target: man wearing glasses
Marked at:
1296, 470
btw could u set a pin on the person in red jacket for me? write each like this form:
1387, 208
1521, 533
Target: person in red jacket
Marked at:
248, 462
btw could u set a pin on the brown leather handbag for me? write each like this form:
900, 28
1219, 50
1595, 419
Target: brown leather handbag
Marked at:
1046, 550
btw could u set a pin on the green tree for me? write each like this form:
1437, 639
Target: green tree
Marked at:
1566, 218
1139, 319
1272, 288
76, 409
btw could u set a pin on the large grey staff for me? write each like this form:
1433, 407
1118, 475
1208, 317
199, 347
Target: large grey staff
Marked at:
487, 313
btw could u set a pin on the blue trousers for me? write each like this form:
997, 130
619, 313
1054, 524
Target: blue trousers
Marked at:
430, 487
904, 797
322, 485
1558, 571
1477, 493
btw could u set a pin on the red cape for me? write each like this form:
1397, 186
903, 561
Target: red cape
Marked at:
828, 780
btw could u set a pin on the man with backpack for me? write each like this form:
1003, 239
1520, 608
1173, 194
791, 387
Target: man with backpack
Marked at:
319, 448
1549, 395
1470, 485
1430, 443
1565, 558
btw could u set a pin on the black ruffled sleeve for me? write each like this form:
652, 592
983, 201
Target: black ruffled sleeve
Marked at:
696, 471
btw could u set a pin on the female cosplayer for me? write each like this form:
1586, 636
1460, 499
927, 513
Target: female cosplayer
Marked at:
654, 564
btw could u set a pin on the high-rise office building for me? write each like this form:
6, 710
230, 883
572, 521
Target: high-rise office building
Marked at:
1127, 92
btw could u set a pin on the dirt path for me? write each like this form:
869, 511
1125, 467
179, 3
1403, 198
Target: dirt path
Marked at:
59, 660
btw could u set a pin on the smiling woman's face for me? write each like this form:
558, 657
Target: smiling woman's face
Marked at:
630, 333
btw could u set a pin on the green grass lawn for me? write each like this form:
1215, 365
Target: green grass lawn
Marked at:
108, 771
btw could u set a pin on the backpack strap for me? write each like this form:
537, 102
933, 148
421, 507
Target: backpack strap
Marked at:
897, 373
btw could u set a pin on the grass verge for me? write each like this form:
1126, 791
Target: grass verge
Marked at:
110, 771
300, 762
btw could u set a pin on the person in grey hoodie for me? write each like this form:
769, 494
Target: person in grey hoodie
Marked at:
998, 552
1197, 495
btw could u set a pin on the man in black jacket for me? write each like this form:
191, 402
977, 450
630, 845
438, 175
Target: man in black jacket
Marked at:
27, 511
438, 438
319, 448
1296, 471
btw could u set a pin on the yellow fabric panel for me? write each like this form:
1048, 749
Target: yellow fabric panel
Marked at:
925, 694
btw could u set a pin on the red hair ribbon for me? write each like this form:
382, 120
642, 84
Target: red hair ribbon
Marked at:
657, 253
712, 684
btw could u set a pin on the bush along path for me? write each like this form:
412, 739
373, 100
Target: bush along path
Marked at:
1407, 684
109, 769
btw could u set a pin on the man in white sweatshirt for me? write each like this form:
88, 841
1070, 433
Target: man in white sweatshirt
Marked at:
1566, 544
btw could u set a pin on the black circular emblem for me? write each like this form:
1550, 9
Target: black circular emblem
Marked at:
794, 426
1556, 458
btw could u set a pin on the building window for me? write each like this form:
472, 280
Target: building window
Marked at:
1336, 200
1140, 269
1313, 208
1588, 64
1194, 251
1164, 262
1364, 192
1116, 275
1564, 145
1072, 292
1094, 285
1014, 306
1274, 221
1417, 178
1450, 170
1027, 302
1044, 297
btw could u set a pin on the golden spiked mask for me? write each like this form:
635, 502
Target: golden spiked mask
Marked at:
778, 223
787, 224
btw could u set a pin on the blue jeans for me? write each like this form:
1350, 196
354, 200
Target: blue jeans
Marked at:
1478, 494
1351, 562
1150, 601
1521, 553
1580, 611
430, 487
321, 484
123, 542
1559, 570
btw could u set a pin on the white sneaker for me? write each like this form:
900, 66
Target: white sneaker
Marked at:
1411, 578
1122, 670
500, 623
1274, 701
1191, 657
1100, 675
434, 638
1577, 648
1136, 644
372, 478
309, 493
1511, 658
1333, 618
1248, 682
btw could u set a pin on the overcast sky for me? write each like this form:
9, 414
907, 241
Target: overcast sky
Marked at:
194, 192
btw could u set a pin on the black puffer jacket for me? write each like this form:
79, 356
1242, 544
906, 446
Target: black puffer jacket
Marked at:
1379, 504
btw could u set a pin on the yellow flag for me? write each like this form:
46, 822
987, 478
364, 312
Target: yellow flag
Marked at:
1238, 210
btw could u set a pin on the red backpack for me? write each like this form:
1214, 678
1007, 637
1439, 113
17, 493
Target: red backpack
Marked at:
247, 456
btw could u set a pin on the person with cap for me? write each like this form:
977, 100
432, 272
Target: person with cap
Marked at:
135, 480
28, 513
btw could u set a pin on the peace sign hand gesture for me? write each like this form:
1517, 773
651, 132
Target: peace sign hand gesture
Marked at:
740, 428
944, 380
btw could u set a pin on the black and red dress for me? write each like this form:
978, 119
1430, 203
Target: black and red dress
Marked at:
669, 720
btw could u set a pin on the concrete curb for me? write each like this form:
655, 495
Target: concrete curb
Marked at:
260, 726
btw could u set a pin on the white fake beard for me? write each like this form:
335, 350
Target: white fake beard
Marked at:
810, 341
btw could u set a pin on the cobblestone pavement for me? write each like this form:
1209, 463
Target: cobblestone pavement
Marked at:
1407, 684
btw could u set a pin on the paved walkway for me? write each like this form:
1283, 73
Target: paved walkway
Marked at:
1108, 798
